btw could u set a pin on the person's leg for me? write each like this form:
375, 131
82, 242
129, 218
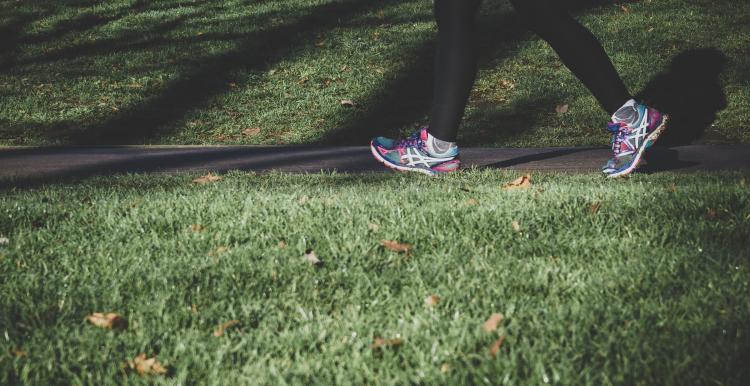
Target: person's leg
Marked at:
578, 49
432, 149
634, 127
455, 65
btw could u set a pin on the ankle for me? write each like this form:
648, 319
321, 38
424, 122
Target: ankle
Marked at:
438, 147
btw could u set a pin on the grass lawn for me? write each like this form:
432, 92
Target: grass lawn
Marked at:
637, 281
274, 72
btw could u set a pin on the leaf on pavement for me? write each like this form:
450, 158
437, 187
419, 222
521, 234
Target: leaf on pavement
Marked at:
220, 330
379, 343
523, 182
432, 300
496, 346
311, 257
146, 366
208, 178
395, 246
109, 320
493, 321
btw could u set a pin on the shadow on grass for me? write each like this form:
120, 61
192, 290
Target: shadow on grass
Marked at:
690, 91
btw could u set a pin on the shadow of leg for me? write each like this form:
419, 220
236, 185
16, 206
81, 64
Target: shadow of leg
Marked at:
690, 92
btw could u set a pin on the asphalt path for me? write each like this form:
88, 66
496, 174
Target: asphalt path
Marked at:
30, 165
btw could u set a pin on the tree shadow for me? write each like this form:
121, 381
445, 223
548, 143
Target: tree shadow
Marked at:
690, 91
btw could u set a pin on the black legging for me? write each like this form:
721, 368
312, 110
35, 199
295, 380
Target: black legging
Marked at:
456, 63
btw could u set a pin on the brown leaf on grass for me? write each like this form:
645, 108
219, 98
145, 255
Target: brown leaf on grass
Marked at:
197, 228
311, 257
523, 182
625, 9
208, 178
496, 346
516, 226
395, 246
218, 251
711, 213
19, 352
445, 367
507, 84
223, 327
562, 109
348, 103
373, 227
146, 366
432, 300
595, 207
379, 343
472, 202
109, 320
281, 244
493, 321
251, 131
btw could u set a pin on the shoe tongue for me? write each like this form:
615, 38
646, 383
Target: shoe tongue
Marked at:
423, 135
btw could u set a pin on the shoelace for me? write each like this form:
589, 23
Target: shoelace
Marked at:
414, 141
618, 139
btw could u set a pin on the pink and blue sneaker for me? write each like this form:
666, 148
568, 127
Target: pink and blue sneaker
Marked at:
413, 155
630, 141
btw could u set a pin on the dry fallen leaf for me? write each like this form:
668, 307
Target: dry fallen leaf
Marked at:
595, 207
251, 131
672, 188
109, 320
197, 228
445, 367
496, 346
523, 182
382, 343
208, 178
711, 213
281, 244
218, 251
18, 352
348, 103
373, 227
311, 257
395, 246
4, 240
146, 366
516, 226
220, 330
432, 300
472, 202
493, 321
507, 84
562, 109
625, 9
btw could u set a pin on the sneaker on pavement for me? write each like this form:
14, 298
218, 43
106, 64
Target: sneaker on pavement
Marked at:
412, 155
630, 141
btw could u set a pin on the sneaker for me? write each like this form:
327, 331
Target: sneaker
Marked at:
630, 142
411, 155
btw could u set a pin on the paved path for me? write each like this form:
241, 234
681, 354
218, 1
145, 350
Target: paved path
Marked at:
38, 164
